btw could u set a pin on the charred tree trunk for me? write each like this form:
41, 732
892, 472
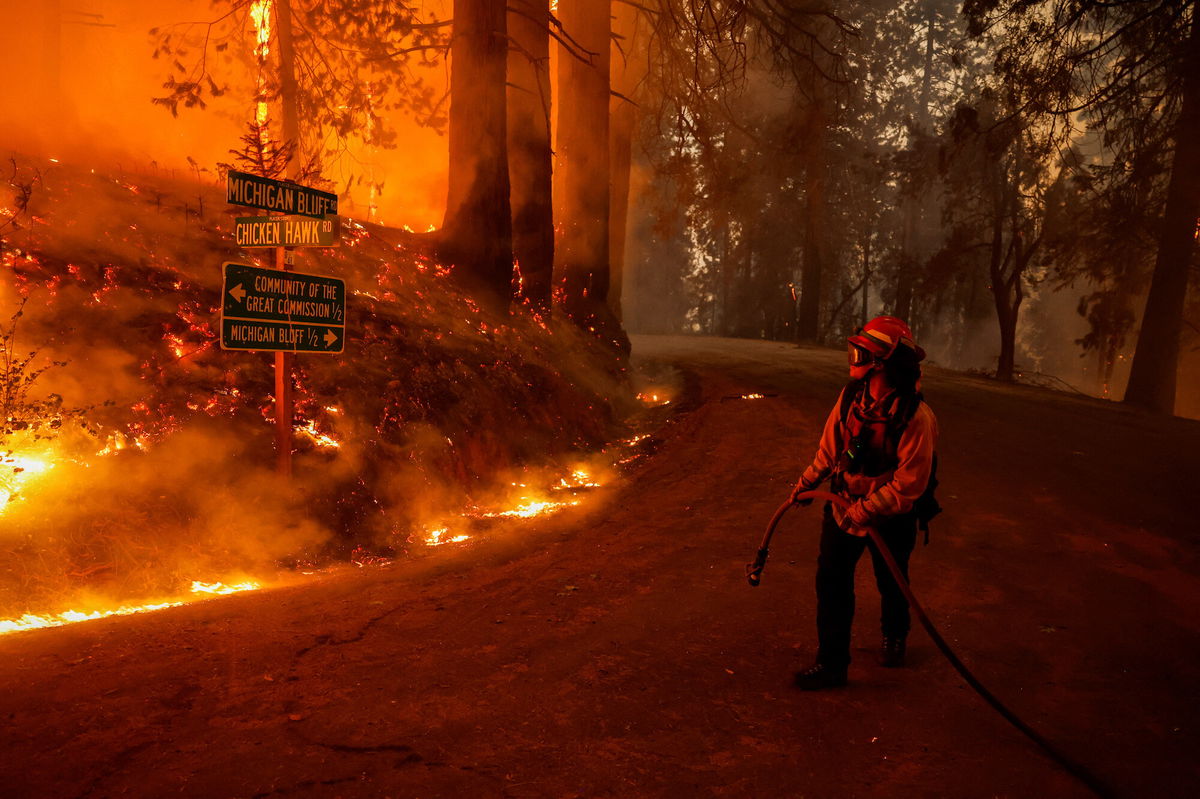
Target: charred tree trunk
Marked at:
1152, 375
476, 234
288, 100
581, 182
529, 154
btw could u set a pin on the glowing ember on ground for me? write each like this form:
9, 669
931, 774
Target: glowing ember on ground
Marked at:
653, 398
436, 537
31, 622
753, 396
579, 478
529, 509
223, 588
317, 437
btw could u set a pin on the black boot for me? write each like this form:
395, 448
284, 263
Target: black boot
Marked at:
819, 677
891, 655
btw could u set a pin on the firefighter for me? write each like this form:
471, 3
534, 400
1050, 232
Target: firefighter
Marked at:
877, 450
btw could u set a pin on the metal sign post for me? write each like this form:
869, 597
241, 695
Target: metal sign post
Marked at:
285, 409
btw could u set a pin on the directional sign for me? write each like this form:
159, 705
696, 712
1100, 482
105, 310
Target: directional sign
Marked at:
240, 334
268, 309
275, 195
286, 231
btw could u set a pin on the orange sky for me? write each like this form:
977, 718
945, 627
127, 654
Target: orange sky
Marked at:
108, 77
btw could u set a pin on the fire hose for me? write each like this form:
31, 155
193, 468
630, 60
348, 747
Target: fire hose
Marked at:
754, 576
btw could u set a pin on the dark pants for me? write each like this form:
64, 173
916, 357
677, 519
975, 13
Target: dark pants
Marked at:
840, 552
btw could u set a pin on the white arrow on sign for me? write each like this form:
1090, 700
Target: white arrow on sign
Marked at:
238, 293
330, 337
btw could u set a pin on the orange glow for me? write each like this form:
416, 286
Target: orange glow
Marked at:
441, 535
15, 472
260, 15
201, 590
653, 398
309, 430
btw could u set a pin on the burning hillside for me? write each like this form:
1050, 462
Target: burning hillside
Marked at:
139, 454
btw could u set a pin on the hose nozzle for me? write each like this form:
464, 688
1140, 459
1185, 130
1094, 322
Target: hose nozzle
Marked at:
754, 570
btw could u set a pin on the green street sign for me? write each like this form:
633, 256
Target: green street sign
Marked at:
269, 309
286, 231
242, 188
240, 334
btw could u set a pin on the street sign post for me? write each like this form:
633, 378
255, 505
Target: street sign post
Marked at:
278, 311
242, 188
286, 231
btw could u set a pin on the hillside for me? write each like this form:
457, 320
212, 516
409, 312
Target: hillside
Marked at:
140, 455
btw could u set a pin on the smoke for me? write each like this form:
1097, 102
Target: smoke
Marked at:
79, 82
162, 471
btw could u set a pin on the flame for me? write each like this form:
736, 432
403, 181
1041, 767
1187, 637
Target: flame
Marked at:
34, 622
528, 509
215, 589
436, 537
579, 478
260, 15
15, 472
118, 442
317, 437
753, 396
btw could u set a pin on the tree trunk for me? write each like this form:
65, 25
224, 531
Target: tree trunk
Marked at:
625, 71
476, 234
808, 321
997, 259
1007, 316
289, 112
1152, 374
581, 180
866, 265
529, 154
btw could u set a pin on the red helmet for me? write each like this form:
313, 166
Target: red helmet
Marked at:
882, 335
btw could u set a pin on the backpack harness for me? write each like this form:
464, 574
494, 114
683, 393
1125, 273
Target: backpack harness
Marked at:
860, 457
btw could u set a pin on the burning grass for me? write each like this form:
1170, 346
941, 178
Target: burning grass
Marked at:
168, 477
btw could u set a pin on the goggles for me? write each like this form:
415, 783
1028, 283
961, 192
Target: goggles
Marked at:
858, 356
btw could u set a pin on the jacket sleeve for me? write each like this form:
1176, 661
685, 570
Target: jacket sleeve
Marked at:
908, 482
827, 451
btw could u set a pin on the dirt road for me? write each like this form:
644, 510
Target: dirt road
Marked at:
616, 650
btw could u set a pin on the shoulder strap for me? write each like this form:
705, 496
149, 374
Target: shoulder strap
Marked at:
849, 394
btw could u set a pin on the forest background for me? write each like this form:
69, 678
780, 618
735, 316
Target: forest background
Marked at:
1021, 180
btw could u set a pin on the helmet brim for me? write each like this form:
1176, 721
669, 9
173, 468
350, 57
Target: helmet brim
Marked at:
880, 350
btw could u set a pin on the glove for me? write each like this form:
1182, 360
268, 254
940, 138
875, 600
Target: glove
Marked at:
859, 518
800, 489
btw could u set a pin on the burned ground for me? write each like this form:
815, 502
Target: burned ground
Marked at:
616, 650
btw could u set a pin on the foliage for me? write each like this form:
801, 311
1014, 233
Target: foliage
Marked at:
21, 411
356, 64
